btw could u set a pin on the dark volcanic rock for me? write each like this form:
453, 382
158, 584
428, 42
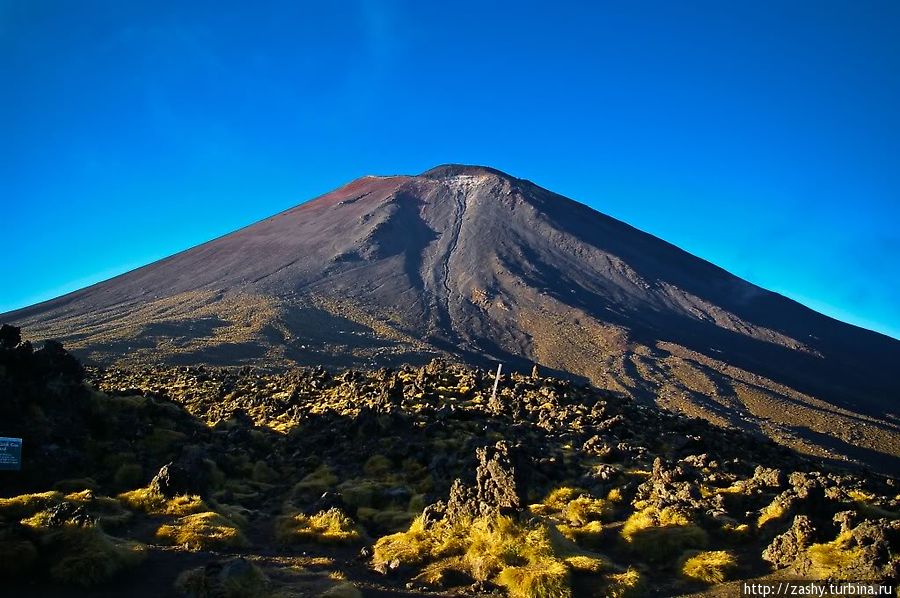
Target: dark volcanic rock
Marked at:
188, 475
499, 484
292, 455
786, 548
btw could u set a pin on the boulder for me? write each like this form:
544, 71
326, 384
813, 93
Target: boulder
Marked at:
188, 475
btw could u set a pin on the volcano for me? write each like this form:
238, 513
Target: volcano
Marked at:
469, 264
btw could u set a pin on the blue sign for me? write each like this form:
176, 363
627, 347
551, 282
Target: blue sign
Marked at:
10, 454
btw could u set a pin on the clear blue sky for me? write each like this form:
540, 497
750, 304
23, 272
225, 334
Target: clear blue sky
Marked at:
762, 136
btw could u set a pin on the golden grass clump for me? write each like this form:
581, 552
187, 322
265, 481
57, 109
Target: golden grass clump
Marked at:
588, 534
408, 548
495, 542
628, 584
34, 510
860, 495
586, 563
331, 526
542, 579
586, 509
771, 512
86, 556
441, 573
864, 504
153, 503
829, 559
202, 531
709, 567
661, 534
143, 499
527, 559
576, 511
26, 505
185, 504
560, 497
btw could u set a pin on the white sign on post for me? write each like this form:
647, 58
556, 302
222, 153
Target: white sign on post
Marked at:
10, 454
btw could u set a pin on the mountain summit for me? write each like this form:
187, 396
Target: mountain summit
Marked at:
471, 264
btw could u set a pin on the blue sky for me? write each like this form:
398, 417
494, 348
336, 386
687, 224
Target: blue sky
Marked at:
762, 136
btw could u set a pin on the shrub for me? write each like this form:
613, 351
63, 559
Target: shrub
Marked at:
162, 441
316, 482
263, 473
408, 548
560, 497
829, 558
202, 531
624, 585
585, 509
35, 510
445, 573
586, 563
494, 543
184, 504
342, 590
26, 505
865, 505
541, 579
143, 499
577, 512
527, 559
361, 493
154, 503
16, 557
238, 578
388, 519
86, 556
128, 475
709, 567
589, 534
378, 466
331, 526
661, 534
771, 512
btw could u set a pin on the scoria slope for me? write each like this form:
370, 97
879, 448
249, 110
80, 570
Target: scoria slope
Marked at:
472, 264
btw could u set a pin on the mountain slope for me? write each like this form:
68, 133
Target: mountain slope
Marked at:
467, 262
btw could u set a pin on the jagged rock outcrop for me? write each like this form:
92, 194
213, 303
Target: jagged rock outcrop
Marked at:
499, 486
788, 547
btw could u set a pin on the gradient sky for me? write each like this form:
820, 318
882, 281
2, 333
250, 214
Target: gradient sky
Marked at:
762, 136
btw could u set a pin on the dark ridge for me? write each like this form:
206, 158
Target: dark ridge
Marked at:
449, 170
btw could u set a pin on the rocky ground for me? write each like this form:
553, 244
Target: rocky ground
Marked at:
414, 481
